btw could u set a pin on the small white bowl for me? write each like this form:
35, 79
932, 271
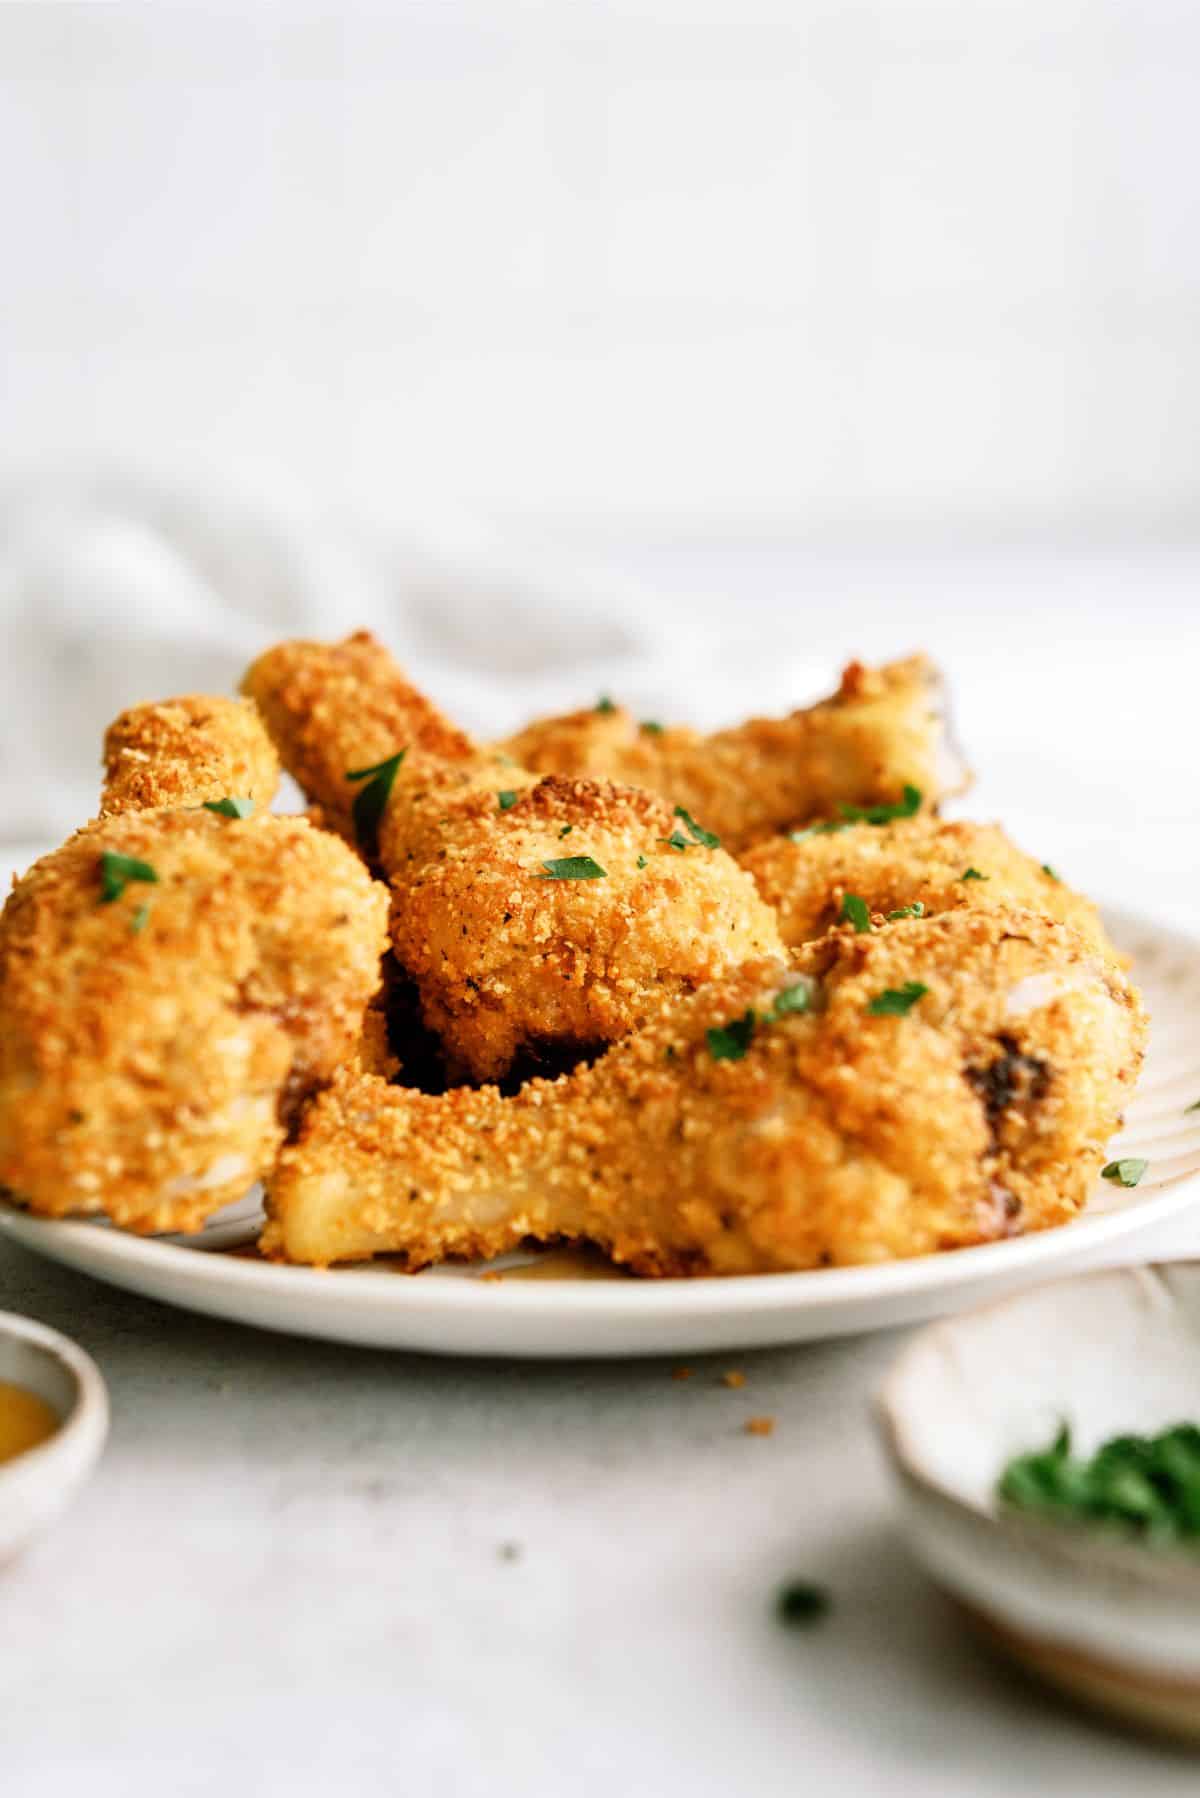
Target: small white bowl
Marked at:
37, 1485
1111, 1620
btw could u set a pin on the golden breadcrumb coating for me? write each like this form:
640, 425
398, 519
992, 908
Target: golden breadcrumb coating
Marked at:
923, 860
511, 965
179, 752
884, 728
837, 1135
335, 707
510, 961
153, 1046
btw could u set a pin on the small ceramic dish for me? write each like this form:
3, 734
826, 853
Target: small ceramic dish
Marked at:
1113, 1621
36, 1485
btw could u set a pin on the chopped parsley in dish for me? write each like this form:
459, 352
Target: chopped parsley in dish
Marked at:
1141, 1485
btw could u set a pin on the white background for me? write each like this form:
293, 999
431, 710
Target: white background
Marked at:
793, 264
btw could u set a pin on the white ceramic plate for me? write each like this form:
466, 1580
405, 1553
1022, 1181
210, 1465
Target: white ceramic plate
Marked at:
452, 1311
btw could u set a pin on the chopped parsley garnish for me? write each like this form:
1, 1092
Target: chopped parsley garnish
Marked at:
863, 814
856, 911
652, 726
507, 799
1047, 869
694, 830
565, 831
915, 910
801, 1604
1195, 1106
1126, 1172
604, 705
897, 1001
139, 920
698, 836
116, 872
371, 803
642, 862
973, 874
1145, 1486
230, 808
573, 867
730, 1041
792, 999
884, 814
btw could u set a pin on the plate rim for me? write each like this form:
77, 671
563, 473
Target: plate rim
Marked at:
823, 1287
109, 1254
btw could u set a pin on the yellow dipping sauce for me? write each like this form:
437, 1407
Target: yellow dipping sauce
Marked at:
25, 1420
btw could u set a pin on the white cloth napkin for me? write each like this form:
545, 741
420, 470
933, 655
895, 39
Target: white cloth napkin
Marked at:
115, 590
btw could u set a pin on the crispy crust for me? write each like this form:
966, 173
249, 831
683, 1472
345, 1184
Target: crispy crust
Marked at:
838, 1137
508, 964
334, 707
892, 865
184, 751
508, 961
149, 1061
883, 728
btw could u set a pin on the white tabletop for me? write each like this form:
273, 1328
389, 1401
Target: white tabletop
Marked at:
303, 1569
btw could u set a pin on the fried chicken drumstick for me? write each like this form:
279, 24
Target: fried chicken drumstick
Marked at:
883, 730
924, 1086
173, 986
538, 917
186, 751
926, 864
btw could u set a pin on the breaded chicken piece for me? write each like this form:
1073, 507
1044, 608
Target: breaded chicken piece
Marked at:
566, 921
173, 985
332, 708
923, 861
926, 1086
539, 919
185, 751
884, 729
